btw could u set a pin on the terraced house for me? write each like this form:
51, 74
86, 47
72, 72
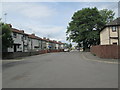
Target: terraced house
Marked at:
24, 42
19, 38
110, 34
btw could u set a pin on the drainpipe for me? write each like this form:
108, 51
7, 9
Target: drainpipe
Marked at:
41, 45
109, 36
118, 36
31, 45
23, 42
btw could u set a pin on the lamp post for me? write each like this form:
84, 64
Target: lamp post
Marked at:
5, 16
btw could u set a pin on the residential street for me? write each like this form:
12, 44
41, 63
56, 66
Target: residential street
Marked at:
59, 70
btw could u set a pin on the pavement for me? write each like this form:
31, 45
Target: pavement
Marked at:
59, 70
89, 56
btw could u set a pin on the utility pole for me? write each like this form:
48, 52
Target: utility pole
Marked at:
5, 16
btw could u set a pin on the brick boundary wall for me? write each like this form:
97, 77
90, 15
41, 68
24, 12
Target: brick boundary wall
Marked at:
106, 51
11, 55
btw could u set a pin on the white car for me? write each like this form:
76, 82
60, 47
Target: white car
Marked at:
66, 50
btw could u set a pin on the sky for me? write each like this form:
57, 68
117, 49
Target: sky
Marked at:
47, 19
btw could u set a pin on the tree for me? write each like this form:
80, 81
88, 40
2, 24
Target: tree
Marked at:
70, 45
7, 40
107, 15
66, 45
85, 26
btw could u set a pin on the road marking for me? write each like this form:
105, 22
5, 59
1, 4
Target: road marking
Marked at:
100, 60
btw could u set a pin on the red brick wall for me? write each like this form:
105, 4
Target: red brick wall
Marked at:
106, 51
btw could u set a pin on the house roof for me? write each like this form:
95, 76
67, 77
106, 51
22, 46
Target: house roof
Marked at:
34, 37
17, 31
115, 22
45, 39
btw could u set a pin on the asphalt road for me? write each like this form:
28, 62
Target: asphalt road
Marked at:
59, 70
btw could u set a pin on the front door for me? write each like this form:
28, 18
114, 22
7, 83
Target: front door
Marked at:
15, 48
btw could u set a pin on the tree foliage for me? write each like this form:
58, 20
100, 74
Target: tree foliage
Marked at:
107, 15
7, 40
68, 45
86, 24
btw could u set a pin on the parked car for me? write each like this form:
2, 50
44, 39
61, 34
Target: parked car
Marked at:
66, 50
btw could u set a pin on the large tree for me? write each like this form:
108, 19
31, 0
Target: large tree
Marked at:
85, 26
107, 15
7, 40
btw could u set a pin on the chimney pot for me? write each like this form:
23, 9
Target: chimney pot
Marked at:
33, 34
9, 25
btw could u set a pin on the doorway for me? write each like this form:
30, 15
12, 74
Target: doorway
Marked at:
15, 48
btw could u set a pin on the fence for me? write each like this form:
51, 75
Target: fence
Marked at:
11, 55
106, 51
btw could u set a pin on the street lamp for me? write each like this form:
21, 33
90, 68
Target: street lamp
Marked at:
5, 16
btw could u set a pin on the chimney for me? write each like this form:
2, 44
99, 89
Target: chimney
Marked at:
33, 34
10, 25
22, 31
44, 37
54, 40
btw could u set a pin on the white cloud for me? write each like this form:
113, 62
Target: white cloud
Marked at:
52, 32
29, 10
46, 30
37, 16
35, 11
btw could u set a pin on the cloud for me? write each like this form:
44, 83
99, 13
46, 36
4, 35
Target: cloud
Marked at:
46, 30
52, 32
37, 11
29, 10
46, 19
49, 31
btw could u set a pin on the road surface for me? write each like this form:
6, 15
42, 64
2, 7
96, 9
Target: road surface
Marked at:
59, 70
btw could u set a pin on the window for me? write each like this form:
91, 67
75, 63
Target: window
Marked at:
114, 43
18, 46
11, 46
22, 38
14, 35
113, 29
29, 39
25, 37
